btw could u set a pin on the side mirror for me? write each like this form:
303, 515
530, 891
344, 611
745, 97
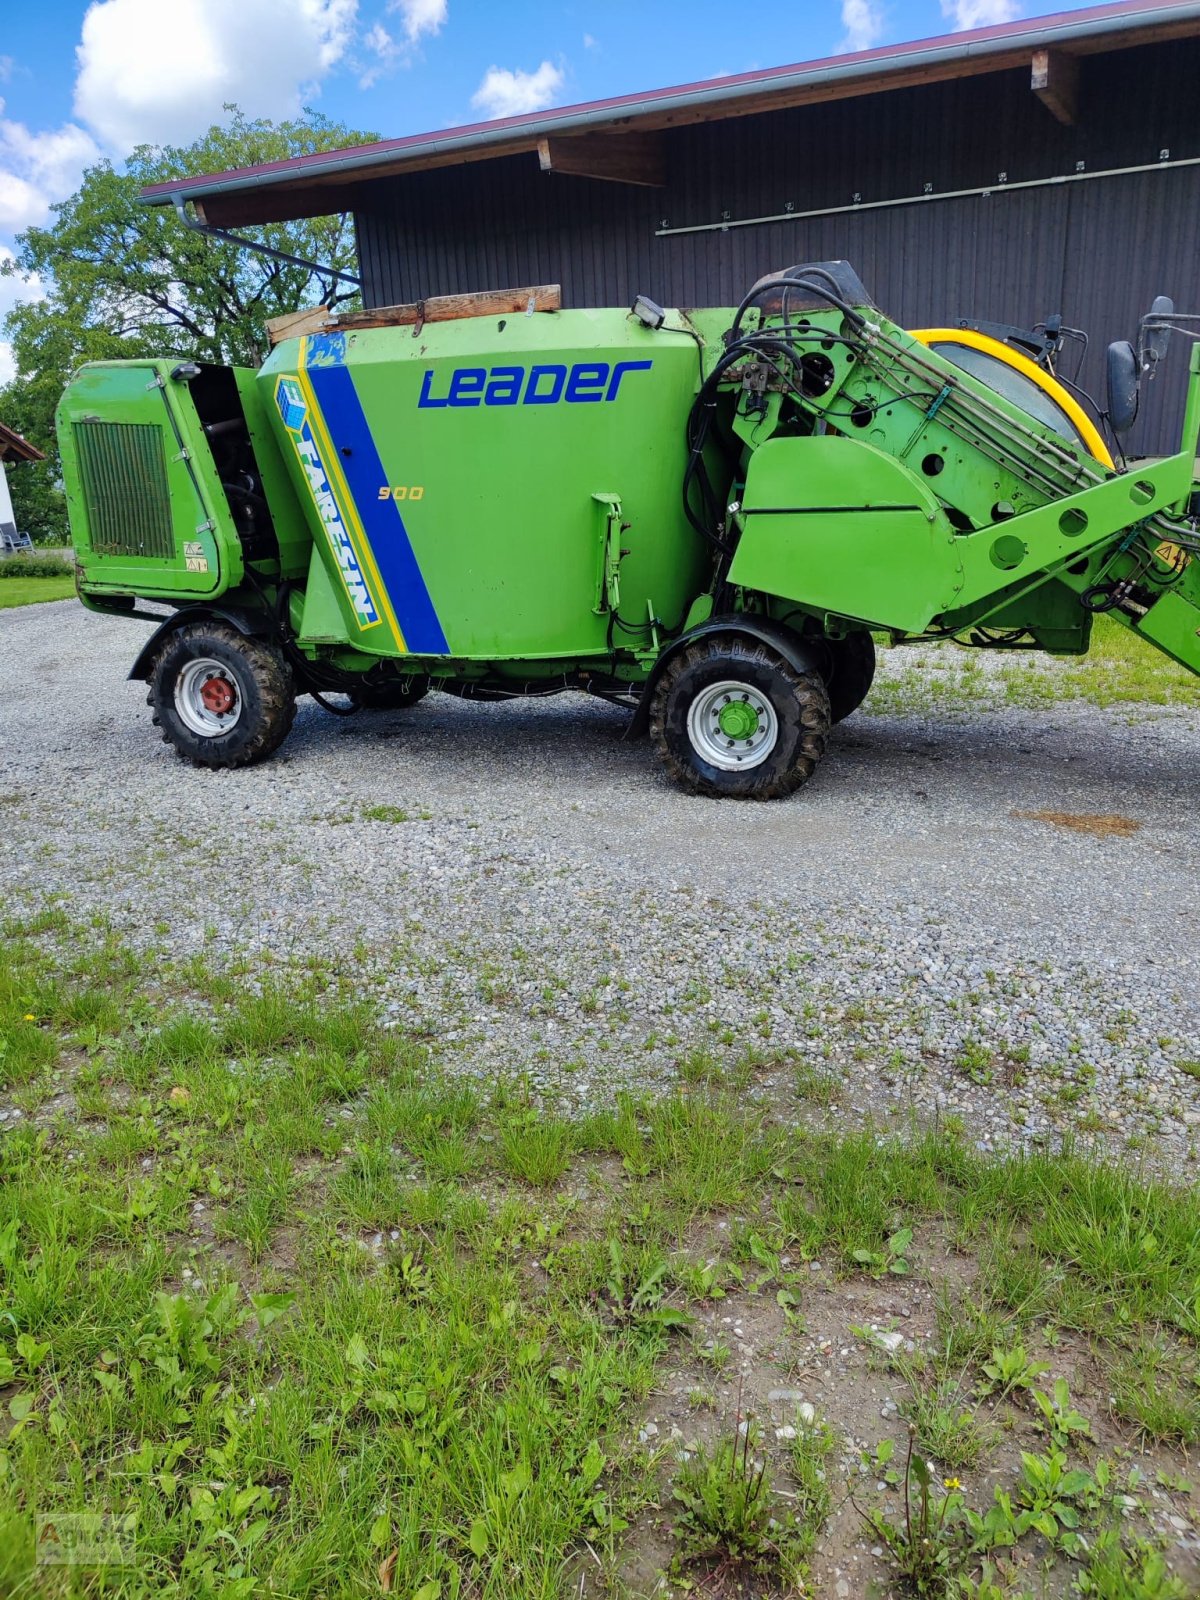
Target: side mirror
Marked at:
1156, 333
1123, 374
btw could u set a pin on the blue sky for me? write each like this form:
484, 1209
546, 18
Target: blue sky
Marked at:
81, 81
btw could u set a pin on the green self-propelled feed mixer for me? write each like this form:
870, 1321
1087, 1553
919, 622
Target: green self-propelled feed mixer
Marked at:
703, 516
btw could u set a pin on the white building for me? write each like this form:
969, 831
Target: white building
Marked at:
12, 448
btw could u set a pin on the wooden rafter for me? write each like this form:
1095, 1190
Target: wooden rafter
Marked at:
14, 447
1055, 81
637, 158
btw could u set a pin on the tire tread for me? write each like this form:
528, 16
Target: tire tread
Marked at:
813, 714
273, 681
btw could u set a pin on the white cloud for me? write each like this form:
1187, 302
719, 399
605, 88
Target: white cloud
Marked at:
863, 22
590, 42
979, 13
421, 16
385, 51
6, 68
507, 93
156, 73
21, 204
38, 168
12, 292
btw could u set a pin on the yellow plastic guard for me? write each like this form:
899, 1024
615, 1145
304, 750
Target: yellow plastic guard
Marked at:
1088, 433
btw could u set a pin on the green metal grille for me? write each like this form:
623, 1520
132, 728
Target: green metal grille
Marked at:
124, 473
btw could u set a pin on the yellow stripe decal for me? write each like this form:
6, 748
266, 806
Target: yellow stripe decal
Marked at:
345, 501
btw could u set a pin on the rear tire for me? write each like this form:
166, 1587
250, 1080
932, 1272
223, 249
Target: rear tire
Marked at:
730, 717
399, 696
221, 698
851, 673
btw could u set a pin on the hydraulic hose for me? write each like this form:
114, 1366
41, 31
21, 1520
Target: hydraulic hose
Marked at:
804, 282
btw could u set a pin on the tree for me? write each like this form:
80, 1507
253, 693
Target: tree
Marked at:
127, 280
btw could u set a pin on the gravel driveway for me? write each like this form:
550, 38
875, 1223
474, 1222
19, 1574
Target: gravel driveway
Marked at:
896, 935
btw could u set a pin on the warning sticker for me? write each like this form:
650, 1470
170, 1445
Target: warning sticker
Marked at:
193, 556
1174, 557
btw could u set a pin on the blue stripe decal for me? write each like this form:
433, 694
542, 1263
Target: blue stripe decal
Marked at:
381, 519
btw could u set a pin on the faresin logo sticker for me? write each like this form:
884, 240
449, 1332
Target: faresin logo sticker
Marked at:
293, 408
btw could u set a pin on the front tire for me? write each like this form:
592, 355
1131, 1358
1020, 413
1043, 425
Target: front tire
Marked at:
731, 717
221, 698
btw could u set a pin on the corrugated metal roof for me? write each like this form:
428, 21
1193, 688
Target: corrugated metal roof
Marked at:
266, 189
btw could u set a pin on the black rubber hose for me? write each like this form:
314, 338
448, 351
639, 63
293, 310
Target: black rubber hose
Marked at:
822, 293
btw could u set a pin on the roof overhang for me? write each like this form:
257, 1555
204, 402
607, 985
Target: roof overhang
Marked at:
615, 138
14, 448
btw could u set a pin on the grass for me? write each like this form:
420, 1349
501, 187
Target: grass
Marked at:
1119, 669
536, 1149
330, 1322
812, 1452
728, 1516
1152, 1388
30, 591
35, 564
945, 1422
393, 814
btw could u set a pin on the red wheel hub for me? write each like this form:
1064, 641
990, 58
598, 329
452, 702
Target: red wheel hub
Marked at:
218, 695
